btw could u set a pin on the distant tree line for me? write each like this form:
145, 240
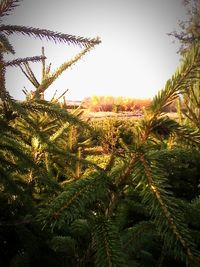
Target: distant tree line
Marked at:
121, 104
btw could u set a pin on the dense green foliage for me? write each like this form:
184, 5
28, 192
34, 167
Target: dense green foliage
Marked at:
106, 193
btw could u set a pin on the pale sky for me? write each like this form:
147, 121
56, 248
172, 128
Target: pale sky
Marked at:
135, 58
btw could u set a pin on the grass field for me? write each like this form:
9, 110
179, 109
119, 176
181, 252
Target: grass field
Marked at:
125, 115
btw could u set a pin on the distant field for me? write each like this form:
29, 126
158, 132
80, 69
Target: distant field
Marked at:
109, 114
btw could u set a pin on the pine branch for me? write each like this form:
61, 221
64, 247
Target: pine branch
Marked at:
184, 78
5, 45
191, 116
192, 109
5, 128
63, 243
164, 209
7, 6
194, 97
31, 75
54, 111
72, 202
16, 161
48, 80
49, 35
43, 64
133, 235
28, 77
15, 148
4, 94
59, 153
108, 244
49, 126
48, 69
9, 184
163, 127
188, 136
121, 181
131, 203
38, 134
59, 97
20, 61
129, 166
59, 132
15, 151
185, 39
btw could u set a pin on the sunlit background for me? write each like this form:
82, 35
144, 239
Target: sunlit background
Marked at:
135, 58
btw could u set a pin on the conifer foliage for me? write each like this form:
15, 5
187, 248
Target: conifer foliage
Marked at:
60, 209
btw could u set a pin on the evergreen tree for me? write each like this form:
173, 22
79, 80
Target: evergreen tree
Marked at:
59, 209
134, 179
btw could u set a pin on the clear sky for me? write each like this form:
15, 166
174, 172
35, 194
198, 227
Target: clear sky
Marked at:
136, 55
